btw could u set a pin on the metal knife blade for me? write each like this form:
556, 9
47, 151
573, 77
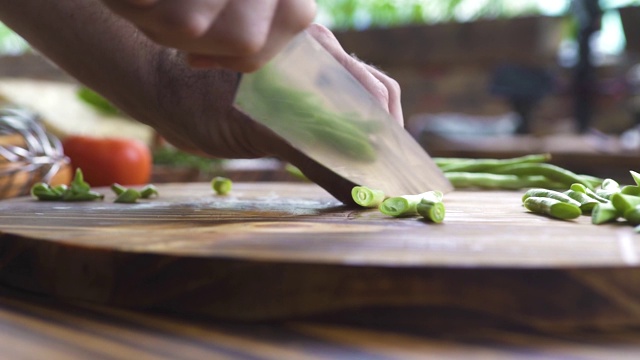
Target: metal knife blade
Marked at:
308, 98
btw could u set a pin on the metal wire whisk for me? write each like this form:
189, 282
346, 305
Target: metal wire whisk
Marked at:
40, 155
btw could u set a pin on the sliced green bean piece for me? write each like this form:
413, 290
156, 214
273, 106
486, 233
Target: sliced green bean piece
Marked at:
539, 192
623, 202
406, 205
608, 188
585, 190
148, 191
552, 207
118, 189
430, 210
90, 195
221, 185
604, 213
552, 172
43, 191
129, 196
367, 197
630, 190
635, 176
587, 203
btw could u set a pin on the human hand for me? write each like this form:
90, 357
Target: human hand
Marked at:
240, 35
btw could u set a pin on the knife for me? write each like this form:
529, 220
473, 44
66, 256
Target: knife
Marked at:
308, 98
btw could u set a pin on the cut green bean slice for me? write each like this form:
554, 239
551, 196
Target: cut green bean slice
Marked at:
539, 192
587, 203
221, 185
552, 207
148, 191
623, 202
433, 211
406, 205
604, 213
118, 189
367, 197
129, 196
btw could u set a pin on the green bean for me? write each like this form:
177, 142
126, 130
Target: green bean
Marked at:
118, 189
129, 196
587, 203
585, 190
593, 180
608, 188
552, 207
552, 172
633, 190
148, 191
635, 176
431, 210
623, 202
78, 185
499, 181
539, 192
406, 205
367, 197
603, 213
43, 191
633, 215
486, 165
90, 195
221, 185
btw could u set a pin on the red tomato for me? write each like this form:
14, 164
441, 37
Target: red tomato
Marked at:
105, 161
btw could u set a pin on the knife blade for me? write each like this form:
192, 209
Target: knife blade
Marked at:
308, 98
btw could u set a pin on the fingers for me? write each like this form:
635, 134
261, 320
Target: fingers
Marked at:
382, 87
241, 35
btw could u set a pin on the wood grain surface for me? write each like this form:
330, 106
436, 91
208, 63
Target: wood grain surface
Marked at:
282, 251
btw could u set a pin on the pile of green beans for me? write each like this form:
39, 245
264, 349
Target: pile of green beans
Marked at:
428, 205
80, 190
530, 171
607, 203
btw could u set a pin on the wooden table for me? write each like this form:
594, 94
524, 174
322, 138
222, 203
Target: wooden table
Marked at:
283, 271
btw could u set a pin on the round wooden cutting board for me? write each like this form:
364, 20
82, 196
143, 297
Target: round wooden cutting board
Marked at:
284, 250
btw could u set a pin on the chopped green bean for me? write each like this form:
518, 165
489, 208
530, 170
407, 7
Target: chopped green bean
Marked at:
623, 202
608, 188
118, 189
587, 203
633, 215
636, 177
630, 190
539, 192
221, 185
585, 190
431, 210
43, 191
406, 205
552, 207
604, 213
129, 196
148, 191
367, 197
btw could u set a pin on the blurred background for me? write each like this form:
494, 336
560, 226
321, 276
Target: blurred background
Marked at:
480, 78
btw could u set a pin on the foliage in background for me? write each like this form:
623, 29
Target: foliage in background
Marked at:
359, 14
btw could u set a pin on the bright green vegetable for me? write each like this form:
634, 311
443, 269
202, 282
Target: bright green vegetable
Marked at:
97, 101
148, 191
603, 213
585, 190
552, 207
431, 209
623, 202
367, 197
406, 205
539, 192
499, 181
633, 215
221, 185
551, 172
485, 165
630, 190
587, 203
608, 188
43, 191
636, 177
129, 196
118, 189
